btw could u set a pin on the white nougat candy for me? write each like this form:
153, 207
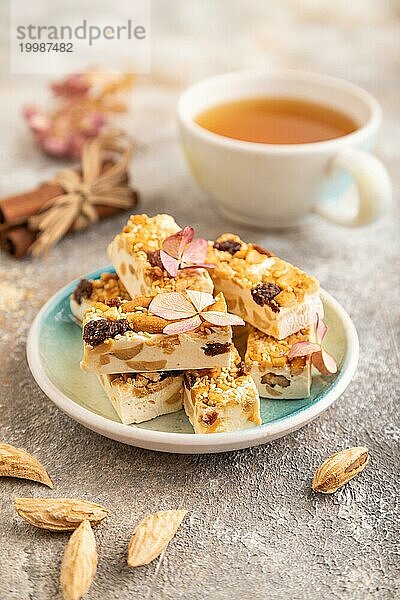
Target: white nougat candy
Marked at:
157, 343
275, 375
222, 400
135, 255
129, 339
266, 291
106, 289
143, 396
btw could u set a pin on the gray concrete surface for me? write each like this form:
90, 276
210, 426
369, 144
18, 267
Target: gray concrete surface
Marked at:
254, 531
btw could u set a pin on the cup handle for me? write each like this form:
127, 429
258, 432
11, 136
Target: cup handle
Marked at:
374, 188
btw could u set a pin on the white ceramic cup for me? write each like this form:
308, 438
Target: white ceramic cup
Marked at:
277, 185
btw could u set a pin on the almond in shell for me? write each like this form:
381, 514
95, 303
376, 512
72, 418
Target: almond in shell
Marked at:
339, 469
153, 535
59, 514
15, 462
79, 563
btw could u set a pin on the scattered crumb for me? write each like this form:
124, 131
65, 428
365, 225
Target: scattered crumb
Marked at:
11, 297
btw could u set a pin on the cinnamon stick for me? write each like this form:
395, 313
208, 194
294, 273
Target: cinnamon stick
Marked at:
17, 240
22, 206
17, 209
15, 236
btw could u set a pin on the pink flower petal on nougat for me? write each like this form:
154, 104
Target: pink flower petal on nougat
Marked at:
303, 349
200, 300
222, 319
182, 326
175, 244
195, 252
320, 328
170, 264
171, 306
324, 362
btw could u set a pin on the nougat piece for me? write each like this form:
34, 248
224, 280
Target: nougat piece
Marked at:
129, 339
138, 397
135, 255
218, 400
274, 374
266, 291
108, 288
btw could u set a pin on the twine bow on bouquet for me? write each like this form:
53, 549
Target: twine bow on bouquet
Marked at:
95, 185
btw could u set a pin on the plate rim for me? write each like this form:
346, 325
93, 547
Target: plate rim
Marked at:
183, 442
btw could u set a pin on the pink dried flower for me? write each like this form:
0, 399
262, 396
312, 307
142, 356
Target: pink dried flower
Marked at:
75, 142
55, 146
82, 107
189, 312
181, 251
320, 358
74, 85
37, 121
93, 123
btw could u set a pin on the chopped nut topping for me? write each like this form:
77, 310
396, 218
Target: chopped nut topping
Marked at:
252, 264
141, 320
215, 397
192, 279
144, 233
216, 386
107, 288
269, 352
142, 238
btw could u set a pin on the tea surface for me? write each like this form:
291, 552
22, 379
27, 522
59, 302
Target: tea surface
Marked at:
276, 120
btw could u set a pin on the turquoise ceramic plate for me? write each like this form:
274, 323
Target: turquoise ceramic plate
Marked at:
54, 350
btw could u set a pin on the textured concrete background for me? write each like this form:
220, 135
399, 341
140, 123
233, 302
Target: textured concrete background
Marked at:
254, 530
